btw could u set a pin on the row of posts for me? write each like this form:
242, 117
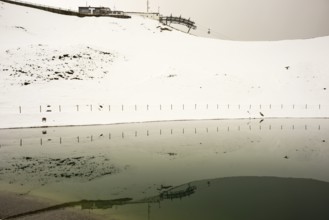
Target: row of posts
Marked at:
161, 107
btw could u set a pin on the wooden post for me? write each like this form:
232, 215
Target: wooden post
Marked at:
20, 110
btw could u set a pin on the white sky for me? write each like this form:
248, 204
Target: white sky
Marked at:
234, 19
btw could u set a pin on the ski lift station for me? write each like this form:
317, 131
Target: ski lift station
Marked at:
99, 11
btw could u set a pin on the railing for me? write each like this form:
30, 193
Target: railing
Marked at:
178, 20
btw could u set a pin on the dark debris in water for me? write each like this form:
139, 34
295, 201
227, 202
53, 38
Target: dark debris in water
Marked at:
48, 170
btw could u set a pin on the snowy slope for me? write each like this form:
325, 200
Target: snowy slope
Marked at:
74, 71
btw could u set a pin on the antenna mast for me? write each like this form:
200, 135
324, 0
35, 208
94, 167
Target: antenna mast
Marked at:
147, 6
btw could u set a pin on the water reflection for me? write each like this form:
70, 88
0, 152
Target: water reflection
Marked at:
222, 198
143, 162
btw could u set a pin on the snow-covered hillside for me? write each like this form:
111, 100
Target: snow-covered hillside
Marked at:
65, 70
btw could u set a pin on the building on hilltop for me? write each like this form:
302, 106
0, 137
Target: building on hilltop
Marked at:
101, 11
94, 10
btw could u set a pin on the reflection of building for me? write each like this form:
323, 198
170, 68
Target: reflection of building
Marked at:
102, 204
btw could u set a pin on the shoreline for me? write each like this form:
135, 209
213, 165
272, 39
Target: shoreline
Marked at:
12, 204
162, 121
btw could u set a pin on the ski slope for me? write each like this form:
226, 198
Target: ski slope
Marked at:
58, 70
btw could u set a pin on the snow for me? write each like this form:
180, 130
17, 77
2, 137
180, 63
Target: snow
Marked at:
80, 71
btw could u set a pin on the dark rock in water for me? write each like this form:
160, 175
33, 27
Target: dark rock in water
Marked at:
286, 157
26, 83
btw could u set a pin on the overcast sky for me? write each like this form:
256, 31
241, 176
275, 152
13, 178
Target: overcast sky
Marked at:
233, 19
